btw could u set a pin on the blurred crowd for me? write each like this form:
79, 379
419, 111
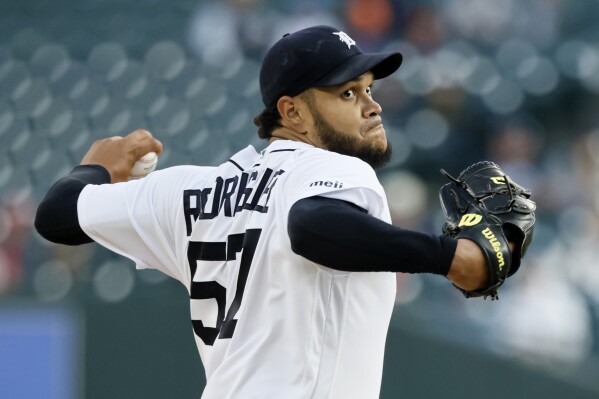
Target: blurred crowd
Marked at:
512, 81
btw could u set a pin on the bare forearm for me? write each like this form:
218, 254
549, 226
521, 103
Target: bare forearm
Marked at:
469, 269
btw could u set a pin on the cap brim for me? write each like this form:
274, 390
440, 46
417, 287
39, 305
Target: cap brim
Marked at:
380, 64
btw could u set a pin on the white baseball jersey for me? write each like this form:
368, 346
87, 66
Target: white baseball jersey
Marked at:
268, 323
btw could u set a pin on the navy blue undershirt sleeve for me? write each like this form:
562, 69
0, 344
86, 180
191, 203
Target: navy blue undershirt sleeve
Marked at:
342, 236
56, 219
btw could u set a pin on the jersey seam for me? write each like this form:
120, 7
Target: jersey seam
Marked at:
282, 150
324, 330
236, 165
319, 273
341, 335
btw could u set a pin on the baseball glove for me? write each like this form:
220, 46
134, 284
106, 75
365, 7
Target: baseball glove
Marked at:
484, 205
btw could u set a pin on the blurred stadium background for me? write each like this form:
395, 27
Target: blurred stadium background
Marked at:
514, 81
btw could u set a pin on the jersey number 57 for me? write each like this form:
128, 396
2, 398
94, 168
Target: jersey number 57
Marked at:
221, 251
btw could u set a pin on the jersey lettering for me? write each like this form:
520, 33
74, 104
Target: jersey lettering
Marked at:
252, 193
228, 191
221, 251
333, 184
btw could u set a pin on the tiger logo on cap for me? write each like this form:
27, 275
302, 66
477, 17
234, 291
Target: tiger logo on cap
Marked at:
344, 37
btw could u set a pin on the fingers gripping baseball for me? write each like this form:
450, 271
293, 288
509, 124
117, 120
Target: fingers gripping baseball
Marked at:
119, 154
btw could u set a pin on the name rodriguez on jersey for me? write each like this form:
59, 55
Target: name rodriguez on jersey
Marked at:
230, 195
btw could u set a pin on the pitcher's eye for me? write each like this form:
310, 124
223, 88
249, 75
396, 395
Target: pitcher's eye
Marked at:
348, 93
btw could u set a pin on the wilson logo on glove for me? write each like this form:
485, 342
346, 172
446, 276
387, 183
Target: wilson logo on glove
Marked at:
485, 206
470, 219
496, 246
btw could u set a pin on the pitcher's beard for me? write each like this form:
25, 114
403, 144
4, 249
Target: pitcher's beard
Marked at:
334, 140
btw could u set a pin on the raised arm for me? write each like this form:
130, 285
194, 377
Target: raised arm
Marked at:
118, 154
108, 161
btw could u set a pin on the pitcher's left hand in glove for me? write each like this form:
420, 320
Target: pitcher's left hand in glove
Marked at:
484, 205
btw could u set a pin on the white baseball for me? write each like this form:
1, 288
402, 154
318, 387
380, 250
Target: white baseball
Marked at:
144, 166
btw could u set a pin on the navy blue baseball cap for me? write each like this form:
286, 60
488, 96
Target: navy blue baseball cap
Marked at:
318, 56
